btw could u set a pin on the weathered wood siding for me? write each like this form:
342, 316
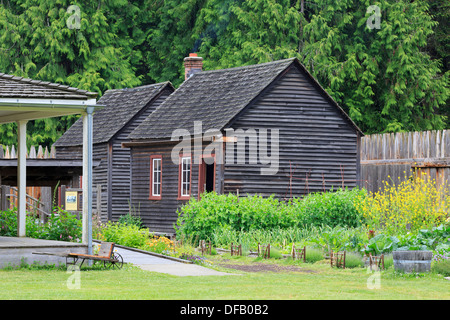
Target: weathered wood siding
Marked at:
100, 173
100, 177
317, 145
75, 153
392, 157
161, 215
113, 173
120, 167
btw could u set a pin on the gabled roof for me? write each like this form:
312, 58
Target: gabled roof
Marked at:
19, 87
215, 98
121, 105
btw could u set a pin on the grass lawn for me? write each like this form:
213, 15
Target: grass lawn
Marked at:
314, 281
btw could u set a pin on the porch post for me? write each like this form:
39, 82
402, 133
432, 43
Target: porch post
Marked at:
22, 177
87, 177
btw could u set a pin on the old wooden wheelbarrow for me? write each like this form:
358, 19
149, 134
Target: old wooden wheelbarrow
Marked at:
111, 259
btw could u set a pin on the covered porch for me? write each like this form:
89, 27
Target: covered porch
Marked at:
23, 100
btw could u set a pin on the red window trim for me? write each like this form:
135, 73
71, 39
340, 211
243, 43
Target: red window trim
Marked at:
183, 197
201, 172
151, 196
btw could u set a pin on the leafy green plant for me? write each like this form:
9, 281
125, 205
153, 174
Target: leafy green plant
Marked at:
128, 235
333, 208
159, 245
8, 223
61, 225
229, 213
436, 238
339, 238
415, 203
379, 244
442, 267
131, 219
313, 254
353, 260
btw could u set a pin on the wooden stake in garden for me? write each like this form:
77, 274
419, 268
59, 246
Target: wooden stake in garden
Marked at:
236, 250
264, 251
376, 261
337, 259
299, 253
205, 247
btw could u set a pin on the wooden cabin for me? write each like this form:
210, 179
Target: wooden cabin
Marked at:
267, 129
124, 110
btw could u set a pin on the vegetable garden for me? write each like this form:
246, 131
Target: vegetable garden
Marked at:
413, 215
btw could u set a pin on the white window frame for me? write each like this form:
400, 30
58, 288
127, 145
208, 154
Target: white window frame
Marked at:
185, 176
156, 173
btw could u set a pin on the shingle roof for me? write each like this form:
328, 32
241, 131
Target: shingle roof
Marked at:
214, 97
19, 87
121, 105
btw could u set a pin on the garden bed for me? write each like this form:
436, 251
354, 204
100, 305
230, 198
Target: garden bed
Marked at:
263, 267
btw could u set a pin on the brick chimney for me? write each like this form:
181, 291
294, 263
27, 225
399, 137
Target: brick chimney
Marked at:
192, 64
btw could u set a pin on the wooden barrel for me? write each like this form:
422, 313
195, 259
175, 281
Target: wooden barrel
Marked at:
412, 261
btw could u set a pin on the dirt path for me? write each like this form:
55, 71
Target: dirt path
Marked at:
264, 267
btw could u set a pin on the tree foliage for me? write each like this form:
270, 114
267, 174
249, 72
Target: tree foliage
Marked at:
98, 54
391, 76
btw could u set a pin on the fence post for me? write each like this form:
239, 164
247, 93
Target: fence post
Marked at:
99, 201
46, 202
5, 198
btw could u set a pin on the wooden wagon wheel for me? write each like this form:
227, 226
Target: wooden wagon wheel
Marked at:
115, 263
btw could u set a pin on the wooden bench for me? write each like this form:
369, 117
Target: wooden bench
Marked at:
105, 253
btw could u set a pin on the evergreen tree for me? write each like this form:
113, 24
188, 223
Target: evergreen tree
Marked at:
87, 44
384, 62
379, 73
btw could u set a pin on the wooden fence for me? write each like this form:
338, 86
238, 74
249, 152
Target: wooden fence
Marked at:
39, 199
9, 152
394, 156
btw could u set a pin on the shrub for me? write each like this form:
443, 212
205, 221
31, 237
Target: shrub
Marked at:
201, 218
125, 234
333, 209
159, 245
353, 260
61, 225
131, 220
313, 254
441, 266
275, 253
380, 244
339, 239
411, 205
8, 223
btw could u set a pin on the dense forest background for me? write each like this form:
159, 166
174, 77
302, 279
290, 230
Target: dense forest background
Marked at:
387, 65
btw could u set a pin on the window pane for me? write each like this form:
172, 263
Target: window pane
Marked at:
185, 176
156, 177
